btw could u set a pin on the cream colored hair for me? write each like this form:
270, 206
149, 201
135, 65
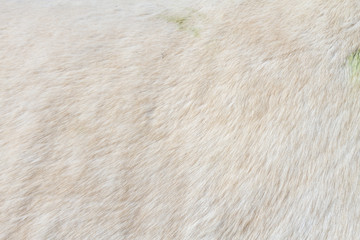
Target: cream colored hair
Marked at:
179, 119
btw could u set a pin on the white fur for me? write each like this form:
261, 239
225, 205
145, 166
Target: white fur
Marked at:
185, 119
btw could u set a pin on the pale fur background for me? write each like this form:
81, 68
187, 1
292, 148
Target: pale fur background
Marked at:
185, 119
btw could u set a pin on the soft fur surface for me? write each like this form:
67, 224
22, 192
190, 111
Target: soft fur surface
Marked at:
161, 119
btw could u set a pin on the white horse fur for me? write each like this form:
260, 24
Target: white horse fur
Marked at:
159, 119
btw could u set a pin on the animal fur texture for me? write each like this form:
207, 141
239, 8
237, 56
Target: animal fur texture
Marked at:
235, 119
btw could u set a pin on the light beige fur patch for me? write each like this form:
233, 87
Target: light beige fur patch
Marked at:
117, 122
